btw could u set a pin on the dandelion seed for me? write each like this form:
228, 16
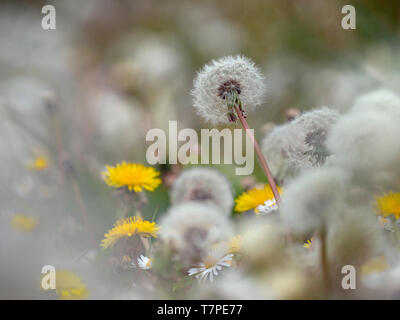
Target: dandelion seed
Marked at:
254, 198
389, 204
135, 177
69, 286
215, 82
22, 223
129, 227
210, 267
203, 185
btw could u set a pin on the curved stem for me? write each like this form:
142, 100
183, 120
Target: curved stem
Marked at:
260, 156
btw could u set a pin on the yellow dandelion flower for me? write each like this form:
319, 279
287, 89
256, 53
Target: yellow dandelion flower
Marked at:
69, 286
251, 199
376, 264
135, 177
308, 243
39, 163
128, 227
23, 223
389, 204
235, 244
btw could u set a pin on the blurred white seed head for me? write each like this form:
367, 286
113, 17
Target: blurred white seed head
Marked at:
203, 185
354, 237
190, 228
290, 282
212, 81
365, 141
382, 101
312, 198
299, 144
270, 236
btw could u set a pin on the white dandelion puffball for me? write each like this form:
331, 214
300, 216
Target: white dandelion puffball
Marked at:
312, 198
382, 100
365, 140
299, 144
219, 75
203, 185
194, 224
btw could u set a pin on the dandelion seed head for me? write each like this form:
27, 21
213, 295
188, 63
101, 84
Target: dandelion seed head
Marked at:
299, 144
381, 101
203, 185
192, 227
354, 237
311, 197
216, 78
290, 283
254, 234
364, 141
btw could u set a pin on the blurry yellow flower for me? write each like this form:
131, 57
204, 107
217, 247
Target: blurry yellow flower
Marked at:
69, 286
128, 227
235, 244
133, 176
23, 223
308, 243
251, 199
389, 204
39, 163
377, 264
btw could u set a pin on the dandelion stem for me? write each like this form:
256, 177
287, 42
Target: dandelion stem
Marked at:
324, 261
145, 241
260, 156
82, 210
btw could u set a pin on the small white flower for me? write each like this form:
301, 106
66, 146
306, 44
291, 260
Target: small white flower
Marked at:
387, 224
144, 262
218, 77
210, 268
269, 206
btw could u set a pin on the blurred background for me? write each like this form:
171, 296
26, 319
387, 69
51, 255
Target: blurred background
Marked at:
77, 98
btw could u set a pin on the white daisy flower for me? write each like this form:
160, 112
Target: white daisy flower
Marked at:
210, 267
386, 224
143, 262
217, 79
269, 206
